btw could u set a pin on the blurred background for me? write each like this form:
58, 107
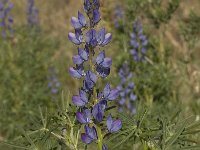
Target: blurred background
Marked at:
35, 56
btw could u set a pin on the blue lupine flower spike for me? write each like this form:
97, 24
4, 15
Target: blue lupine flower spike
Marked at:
92, 104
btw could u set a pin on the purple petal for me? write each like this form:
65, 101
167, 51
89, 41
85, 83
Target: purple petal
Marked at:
87, 114
98, 112
91, 132
77, 60
133, 97
85, 138
133, 52
92, 76
75, 73
107, 40
96, 16
106, 90
113, 94
101, 36
109, 122
107, 62
100, 57
83, 54
83, 96
81, 118
116, 126
134, 43
81, 19
133, 36
91, 37
73, 39
75, 23
103, 72
122, 101
78, 101
104, 147
143, 50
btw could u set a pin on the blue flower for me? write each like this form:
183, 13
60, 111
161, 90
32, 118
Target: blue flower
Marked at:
92, 102
81, 57
104, 147
77, 72
126, 90
138, 42
91, 37
118, 16
32, 13
109, 94
80, 22
90, 81
98, 112
6, 20
90, 135
76, 38
96, 16
113, 126
103, 38
53, 84
103, 64
84, 117
81, 99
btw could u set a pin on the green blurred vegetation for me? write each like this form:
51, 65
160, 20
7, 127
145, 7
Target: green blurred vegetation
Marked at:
167, 85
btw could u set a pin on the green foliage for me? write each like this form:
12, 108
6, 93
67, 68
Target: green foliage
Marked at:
23, 74
190, 30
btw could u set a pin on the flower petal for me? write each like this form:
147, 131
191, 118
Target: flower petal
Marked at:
98, 112
108, 38
113, 94
78, 101
91, 76
133, 97
109, 122
106, 90
101, 36
104, 147
75, 73
103, 72
96, 16
116, 126
86, 139
81, 19
107, 62
91, 132
75, 23
77, 60
83, 54
81, 118
73, 39
100, 57
83, 96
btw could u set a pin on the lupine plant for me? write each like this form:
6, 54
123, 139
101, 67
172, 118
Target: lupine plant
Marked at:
138, 42
32, 13
6, 19
119, 14
126, 89
92, 103
54, 83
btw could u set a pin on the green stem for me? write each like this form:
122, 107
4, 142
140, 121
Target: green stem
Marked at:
100, 138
